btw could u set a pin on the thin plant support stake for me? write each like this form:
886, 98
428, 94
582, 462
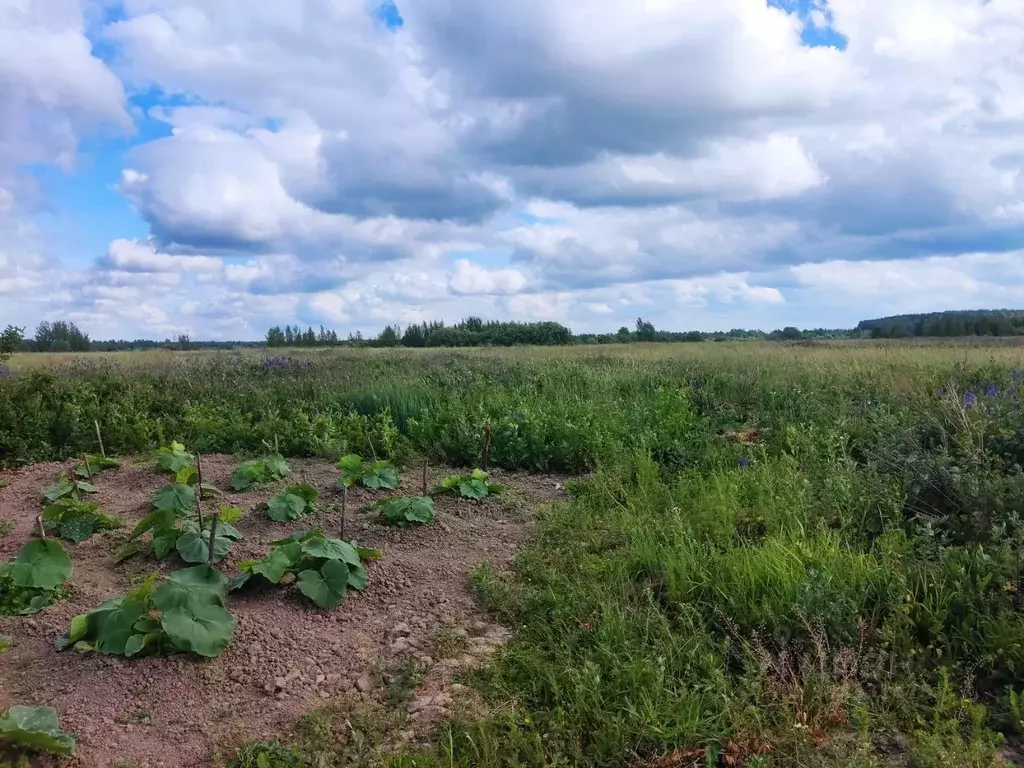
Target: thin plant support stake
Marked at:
213, 534
344, 508
99, 437
199, 491
486, 446
42, 528
424, 478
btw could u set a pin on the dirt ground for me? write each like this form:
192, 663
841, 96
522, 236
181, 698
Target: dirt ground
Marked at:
286, 658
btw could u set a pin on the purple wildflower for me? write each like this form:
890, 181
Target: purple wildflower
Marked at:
743, 462
991, 390
970, 399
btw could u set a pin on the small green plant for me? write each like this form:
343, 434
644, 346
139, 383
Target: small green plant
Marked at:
296, 502
324, 569
64, 487
185, 614
264, 470
6, 526
266, 754
93, 465
25, 731
193, 544
173, 458
31, 581
414, 510
372, 474
473, 486
174, 524
77, 520
5, 642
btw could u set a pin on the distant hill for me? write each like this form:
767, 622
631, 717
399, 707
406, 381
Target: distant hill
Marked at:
972, 322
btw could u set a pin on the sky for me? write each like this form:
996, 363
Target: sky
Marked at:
187, 166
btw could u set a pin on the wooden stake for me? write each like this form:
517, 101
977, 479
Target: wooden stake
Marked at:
88, 469
199, 491
99, 437
424, 477
42, 528
276, 448
369, 442
487, 446
213, 534
344, 509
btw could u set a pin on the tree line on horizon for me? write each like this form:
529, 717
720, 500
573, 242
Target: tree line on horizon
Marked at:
66, 336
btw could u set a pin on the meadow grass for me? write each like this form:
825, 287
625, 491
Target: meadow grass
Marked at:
772, 555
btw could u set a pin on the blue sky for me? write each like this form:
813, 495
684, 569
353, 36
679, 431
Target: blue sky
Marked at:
173, 167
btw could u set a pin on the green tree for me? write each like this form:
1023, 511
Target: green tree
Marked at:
10, 341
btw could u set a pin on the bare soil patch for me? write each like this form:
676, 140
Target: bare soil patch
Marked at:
287, 658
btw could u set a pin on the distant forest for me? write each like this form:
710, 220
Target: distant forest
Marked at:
64, 336
979, 322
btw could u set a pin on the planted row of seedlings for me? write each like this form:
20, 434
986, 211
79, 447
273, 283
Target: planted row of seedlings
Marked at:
186, 610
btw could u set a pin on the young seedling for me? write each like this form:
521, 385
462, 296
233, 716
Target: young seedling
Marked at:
473, 486
174, 525
374, 475
77, 520
325, 569
64, 487
173, 458
403, 512
263, 470
32, 580
296, 502
185, 614
93, 465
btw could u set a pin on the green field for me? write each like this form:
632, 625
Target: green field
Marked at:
775, 555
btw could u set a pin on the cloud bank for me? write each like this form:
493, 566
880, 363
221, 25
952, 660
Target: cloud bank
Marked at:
705, 165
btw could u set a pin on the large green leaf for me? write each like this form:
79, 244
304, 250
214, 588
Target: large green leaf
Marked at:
281, 559
195, 547
248, 473
276, 466
113, 623
78, 528
228, 531
35, 728
200, 585
331, 549
164, 542
79, 628
305, 491
286, 507
327, 586
351, 467
176, 498
41, 564
357, 577
408, 511
379, 475
173, 458
474, 488
64, 487
157, 518
202, 629
231, 515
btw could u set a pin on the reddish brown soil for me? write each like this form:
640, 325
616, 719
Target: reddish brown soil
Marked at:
286, 658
